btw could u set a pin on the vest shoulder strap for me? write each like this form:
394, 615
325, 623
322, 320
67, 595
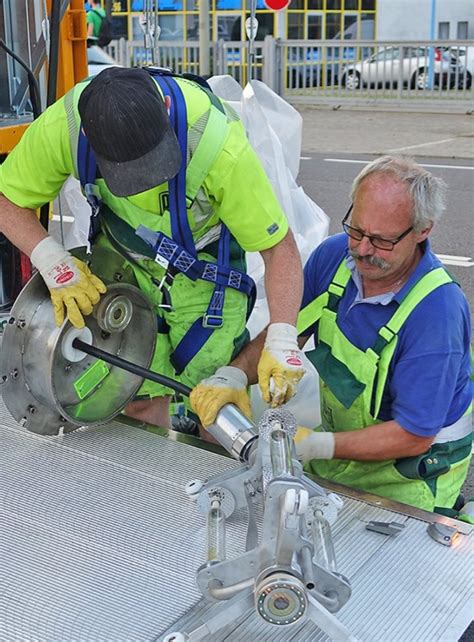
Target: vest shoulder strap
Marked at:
313, 310
421, 289
340, 279
311, 313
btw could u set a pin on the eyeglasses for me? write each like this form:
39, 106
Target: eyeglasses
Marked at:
377, 241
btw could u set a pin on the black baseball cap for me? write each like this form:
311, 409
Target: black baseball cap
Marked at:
127, 125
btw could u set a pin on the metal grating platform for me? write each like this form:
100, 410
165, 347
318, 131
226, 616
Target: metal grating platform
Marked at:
98, 542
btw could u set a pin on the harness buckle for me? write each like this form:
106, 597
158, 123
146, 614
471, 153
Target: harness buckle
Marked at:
212, 321
164, 263
166, 303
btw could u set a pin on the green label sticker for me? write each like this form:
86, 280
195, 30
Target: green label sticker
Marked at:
91, 378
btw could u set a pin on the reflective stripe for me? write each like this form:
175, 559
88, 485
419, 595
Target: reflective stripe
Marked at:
73, 126
311, 313
459, 429
205, 154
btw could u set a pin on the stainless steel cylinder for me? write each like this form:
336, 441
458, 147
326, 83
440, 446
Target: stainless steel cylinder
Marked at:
234, 431
324, 553
215, 531
280, 453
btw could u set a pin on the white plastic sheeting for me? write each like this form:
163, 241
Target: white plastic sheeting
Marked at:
274, 129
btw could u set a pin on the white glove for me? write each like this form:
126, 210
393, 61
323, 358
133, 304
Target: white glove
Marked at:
314, 445
227, 385
281, 362
70, 282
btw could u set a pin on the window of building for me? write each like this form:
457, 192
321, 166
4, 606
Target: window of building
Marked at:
296, 26
313, 4
333, 25
120, 26
315, 26
443, 30
462, 30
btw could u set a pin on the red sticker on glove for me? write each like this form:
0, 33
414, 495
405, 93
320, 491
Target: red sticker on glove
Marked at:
294, 360
64, 277
63, 274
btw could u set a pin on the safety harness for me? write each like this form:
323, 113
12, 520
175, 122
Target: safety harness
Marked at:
177, 254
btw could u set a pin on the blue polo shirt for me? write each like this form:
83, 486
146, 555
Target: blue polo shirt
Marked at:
428, 385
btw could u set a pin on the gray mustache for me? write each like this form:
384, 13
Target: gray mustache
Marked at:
371, 260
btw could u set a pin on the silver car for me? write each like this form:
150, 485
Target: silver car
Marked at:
409, 66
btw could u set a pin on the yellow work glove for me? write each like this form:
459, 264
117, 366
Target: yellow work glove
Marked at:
71, 284
313, 445
281, 365
227, 385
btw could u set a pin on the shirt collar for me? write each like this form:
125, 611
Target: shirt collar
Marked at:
383, 299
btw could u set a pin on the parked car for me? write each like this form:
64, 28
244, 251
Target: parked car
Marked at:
316, 66
465, 57
408, 65
98, 60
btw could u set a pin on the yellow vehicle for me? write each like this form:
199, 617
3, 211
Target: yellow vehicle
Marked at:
43, 53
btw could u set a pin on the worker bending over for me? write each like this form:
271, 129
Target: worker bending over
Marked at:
177, 197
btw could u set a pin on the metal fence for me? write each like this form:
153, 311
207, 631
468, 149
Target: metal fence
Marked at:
322, 71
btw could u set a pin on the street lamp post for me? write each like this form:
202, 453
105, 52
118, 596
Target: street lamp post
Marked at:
204, 58
431, 49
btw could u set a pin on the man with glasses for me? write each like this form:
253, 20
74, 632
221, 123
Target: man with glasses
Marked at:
392, 347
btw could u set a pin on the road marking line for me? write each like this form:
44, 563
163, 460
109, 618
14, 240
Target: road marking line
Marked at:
66, 219
366, 162
305, 157
453, 256
435, 142
459, 261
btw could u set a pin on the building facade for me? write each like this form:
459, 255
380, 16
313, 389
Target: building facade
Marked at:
304, 19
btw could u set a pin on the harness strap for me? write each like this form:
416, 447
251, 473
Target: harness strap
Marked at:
203, 327
87, 171
169, 253
180, 229
119, 247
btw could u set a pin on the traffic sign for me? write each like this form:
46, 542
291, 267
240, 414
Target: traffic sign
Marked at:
276, 5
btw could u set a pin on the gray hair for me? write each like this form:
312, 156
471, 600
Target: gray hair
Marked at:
428, 193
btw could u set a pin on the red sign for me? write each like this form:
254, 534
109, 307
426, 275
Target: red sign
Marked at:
276, 5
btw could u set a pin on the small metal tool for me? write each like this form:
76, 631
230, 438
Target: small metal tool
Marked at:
442, 533
385, 528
